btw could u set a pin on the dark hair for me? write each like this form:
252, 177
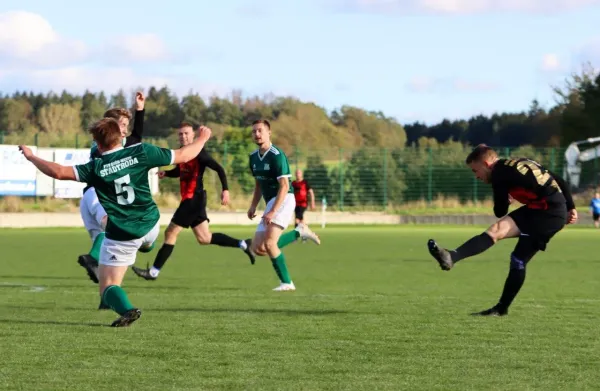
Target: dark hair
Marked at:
117, 113
106, 132
481, 152
185, 125
262, 121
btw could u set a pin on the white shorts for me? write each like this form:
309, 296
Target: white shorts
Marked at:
92, 213
283, 216
122, 253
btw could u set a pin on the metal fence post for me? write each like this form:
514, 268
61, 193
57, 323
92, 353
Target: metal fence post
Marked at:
341, 171
385, 179
430, 177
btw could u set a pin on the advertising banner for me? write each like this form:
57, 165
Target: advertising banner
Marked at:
70, 157
17, 175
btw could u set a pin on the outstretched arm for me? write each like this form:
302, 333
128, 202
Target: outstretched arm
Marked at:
173, 173
501, 201
138, 121
190, 151
564, 188
216, 167
53, 170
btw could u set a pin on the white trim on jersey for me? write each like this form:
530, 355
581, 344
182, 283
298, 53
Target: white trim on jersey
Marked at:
112, 151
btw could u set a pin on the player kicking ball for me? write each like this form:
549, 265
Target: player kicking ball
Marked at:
120, 177
547, 207
270, 168
92, 213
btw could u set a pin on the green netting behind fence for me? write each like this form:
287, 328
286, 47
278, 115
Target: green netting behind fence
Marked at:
367, 178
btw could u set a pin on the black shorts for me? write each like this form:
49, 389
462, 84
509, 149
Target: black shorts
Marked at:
596, 216
539, 225
300, 212
191, 212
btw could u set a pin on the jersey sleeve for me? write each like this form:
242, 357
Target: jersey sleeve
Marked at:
500, 191
138, 129
564, 188
282, 168
158, 157
206, 159
84, 172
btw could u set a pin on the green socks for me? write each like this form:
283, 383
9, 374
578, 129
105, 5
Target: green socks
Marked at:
95, 251
281, 269
287, 238
279, 261
115, 297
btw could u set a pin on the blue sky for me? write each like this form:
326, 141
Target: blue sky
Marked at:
412, 59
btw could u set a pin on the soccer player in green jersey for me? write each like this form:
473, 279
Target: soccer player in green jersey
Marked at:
92, 213
271, 171
120, 177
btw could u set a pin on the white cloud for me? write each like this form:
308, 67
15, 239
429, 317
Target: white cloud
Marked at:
448, 85
551, 62
29, 39
141, 47
459, 7
35, 56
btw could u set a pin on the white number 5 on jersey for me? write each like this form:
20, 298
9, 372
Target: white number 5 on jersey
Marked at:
122, 186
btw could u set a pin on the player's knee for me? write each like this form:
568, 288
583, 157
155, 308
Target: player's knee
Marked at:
495, 232
203, 238
261, 252
270, 245
517, 263
258, 248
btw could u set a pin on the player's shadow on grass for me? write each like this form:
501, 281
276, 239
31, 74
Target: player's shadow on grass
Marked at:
52, 323
254, 311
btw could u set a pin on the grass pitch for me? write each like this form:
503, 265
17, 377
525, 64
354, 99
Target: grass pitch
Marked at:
372, 311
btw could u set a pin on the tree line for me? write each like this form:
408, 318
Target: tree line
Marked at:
354, 156
575, 116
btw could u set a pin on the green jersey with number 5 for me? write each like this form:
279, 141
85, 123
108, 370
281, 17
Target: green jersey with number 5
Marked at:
120, 178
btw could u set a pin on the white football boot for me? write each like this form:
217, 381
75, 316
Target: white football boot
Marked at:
307, 234
285, 287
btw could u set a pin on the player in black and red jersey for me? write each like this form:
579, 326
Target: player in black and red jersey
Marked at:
191, 212
301, 192
547, 207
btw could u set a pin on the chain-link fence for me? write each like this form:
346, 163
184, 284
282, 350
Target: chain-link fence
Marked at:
357, 179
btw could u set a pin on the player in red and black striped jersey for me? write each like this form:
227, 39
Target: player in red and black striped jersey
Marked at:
547, 207
191, 212
301, 192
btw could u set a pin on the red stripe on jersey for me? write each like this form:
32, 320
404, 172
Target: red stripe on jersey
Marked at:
188, 177
528, 199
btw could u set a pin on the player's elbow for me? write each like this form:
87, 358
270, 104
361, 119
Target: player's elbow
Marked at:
500, 211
